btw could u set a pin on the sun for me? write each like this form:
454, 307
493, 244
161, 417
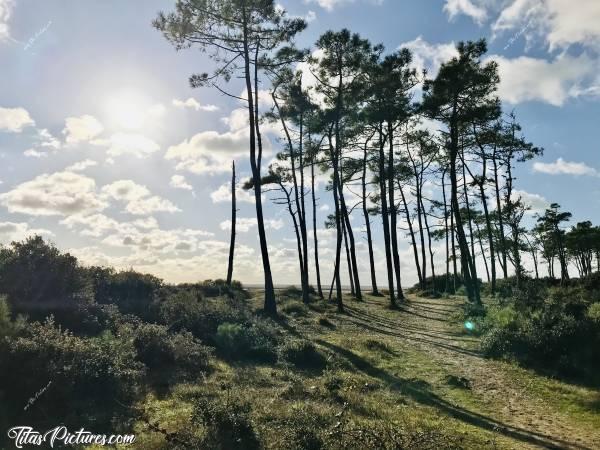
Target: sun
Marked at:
127, 110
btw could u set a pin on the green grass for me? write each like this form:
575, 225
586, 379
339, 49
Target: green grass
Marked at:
414, 368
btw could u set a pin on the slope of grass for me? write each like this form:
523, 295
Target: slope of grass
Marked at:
411, 374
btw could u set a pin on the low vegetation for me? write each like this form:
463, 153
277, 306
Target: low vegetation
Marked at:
200, 366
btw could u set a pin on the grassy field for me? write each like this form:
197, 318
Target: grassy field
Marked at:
414, 373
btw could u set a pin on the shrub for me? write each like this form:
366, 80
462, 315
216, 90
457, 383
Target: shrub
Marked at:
299, 430
131, 291
295, 308
233, 339
37, 278
178, 352
593, 313
227, 425
441, 283
218, 288
78, 372
301, 353
237, 341
555, 333
184, 310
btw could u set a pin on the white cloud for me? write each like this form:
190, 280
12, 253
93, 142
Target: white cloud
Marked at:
60, 193
561, 23
138, 235
158, 109
525, 79
562, 167
194, 104
46, 139
129, 144
82, 129
330, 5
81, 165
137, 198
536, 202
11, 231
14, 119
179, 182
31, 153
6, 7
223, 194
209, 151
455, 7
429, 56
244, 224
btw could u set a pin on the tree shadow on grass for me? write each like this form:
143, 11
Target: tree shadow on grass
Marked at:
356, 318
420, 392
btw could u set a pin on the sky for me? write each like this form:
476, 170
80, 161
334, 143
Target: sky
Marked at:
107, 152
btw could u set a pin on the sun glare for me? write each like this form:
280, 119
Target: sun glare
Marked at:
128, 110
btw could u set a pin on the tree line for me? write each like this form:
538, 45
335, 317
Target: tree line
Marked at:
434, 154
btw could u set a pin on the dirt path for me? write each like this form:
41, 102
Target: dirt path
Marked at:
504, 403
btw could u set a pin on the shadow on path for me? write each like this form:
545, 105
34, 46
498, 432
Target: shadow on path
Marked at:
419, 392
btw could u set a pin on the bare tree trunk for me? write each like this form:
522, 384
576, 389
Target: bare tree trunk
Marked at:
302, 210
487, 269
469, 220
338, 224
299, 200
412, 235
468, 268
270, 306
385, 219
447, 233
374, 289
348, 228
233, 220
316, 241
502, 251
348, 261
393, 214
429, 244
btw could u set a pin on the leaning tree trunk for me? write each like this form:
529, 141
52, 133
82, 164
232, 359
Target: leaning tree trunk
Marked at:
233, 220
348, 228
348, 261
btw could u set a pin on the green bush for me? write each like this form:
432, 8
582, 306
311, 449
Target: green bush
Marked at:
295, 308
132, 292
593, 313
302, 354
227, 425
237, 341
37, 278
177, 353
202, 317
78, 372
557, 332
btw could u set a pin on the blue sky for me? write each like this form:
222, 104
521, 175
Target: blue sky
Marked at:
107, 151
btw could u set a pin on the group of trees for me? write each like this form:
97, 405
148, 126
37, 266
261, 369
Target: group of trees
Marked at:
434, 158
